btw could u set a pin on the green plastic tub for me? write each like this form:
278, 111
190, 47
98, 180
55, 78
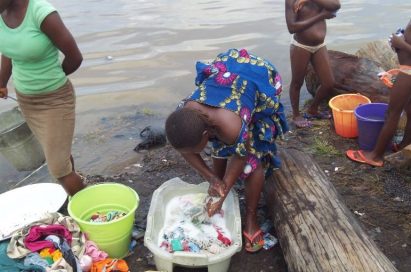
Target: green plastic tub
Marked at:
112, 237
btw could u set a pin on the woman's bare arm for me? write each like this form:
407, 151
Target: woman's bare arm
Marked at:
197, 162
5, 73
61, 37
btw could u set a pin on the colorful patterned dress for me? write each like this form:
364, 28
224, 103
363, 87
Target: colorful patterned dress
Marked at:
250, 87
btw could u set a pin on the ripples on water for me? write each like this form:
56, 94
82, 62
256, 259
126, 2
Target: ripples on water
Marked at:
150, 46
145, 45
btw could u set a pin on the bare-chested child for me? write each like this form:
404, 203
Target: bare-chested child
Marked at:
306, 19
400, 99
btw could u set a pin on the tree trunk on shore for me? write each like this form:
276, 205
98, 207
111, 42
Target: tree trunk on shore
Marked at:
352, 75
400, 159
316, 230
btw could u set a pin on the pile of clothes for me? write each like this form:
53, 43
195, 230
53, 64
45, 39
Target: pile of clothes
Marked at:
55, 243
101, 217
187, 227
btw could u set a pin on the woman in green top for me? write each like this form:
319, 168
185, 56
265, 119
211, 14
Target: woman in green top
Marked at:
32, 34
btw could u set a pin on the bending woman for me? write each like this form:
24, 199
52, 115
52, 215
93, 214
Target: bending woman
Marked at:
32, 34
236, 107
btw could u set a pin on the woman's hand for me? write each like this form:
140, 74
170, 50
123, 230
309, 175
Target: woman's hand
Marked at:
217, 187
3, 93
327, 14
398, 42
214, 207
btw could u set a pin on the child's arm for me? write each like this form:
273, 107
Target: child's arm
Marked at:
332, 5
295, 26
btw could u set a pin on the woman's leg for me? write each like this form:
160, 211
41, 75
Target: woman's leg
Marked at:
253, 188
407, 131
72, 183
399, 97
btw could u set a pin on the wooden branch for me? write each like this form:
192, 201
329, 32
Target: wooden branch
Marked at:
352, 75
316, 230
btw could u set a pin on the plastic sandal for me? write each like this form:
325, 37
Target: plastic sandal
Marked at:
255, 246
358, 156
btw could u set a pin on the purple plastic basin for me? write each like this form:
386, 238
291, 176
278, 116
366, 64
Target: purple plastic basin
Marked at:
370, 120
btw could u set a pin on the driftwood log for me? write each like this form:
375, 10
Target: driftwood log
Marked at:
352, 75
400, 159
316, 230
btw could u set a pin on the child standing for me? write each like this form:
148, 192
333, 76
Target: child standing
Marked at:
400, 100
306, 21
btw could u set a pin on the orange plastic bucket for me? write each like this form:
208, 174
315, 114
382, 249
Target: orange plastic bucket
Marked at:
343, 107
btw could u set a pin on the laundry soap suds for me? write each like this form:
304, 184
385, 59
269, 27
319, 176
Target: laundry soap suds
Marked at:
187, 226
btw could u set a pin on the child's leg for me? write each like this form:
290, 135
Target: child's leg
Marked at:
299, 61
407, 131
399, 97
253, 188
322, 67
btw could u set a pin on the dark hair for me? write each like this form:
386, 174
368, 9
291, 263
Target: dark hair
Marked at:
185, 127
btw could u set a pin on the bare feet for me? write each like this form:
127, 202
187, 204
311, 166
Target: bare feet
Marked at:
301, 122
319, 115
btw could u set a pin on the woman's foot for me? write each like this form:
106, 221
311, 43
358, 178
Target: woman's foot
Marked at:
253, 236
364, 157
301, 122
319, 115
253, 242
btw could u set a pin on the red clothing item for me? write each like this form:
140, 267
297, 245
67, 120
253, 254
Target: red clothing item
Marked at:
34, 241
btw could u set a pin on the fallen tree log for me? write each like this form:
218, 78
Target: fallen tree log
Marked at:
316, 230
400, 159
352, 75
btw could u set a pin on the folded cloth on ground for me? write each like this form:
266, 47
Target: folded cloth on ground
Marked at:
17, 249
